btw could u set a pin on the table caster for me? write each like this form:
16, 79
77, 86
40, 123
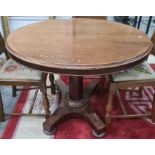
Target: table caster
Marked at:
49, 133
98, 135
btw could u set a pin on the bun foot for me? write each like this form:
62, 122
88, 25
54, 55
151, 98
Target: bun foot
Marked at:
49, 132
98, 135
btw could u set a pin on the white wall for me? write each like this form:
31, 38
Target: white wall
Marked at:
19, 21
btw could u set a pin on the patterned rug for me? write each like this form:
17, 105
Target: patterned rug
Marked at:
31, 127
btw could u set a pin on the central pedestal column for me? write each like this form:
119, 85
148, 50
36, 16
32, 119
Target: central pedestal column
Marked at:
76, 87
75, 105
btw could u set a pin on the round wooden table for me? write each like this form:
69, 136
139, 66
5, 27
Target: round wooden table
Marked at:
78, 47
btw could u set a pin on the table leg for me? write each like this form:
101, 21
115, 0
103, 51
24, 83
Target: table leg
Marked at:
100, 88
76, 82
51, 78
74, 105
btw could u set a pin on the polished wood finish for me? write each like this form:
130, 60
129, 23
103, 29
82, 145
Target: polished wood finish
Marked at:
33, 101
121, 103
67, 112
124, 85
76, 93
101, 83
79, 46
91, 17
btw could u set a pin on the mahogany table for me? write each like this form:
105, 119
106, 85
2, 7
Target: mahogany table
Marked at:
78, 47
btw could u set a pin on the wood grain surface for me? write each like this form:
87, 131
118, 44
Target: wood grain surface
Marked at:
78, 46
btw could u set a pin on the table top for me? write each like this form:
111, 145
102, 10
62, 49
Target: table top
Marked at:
78, 46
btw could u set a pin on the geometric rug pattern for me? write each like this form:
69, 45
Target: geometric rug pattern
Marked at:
31, 127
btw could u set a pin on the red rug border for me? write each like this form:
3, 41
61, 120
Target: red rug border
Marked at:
11, 125
13, 121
